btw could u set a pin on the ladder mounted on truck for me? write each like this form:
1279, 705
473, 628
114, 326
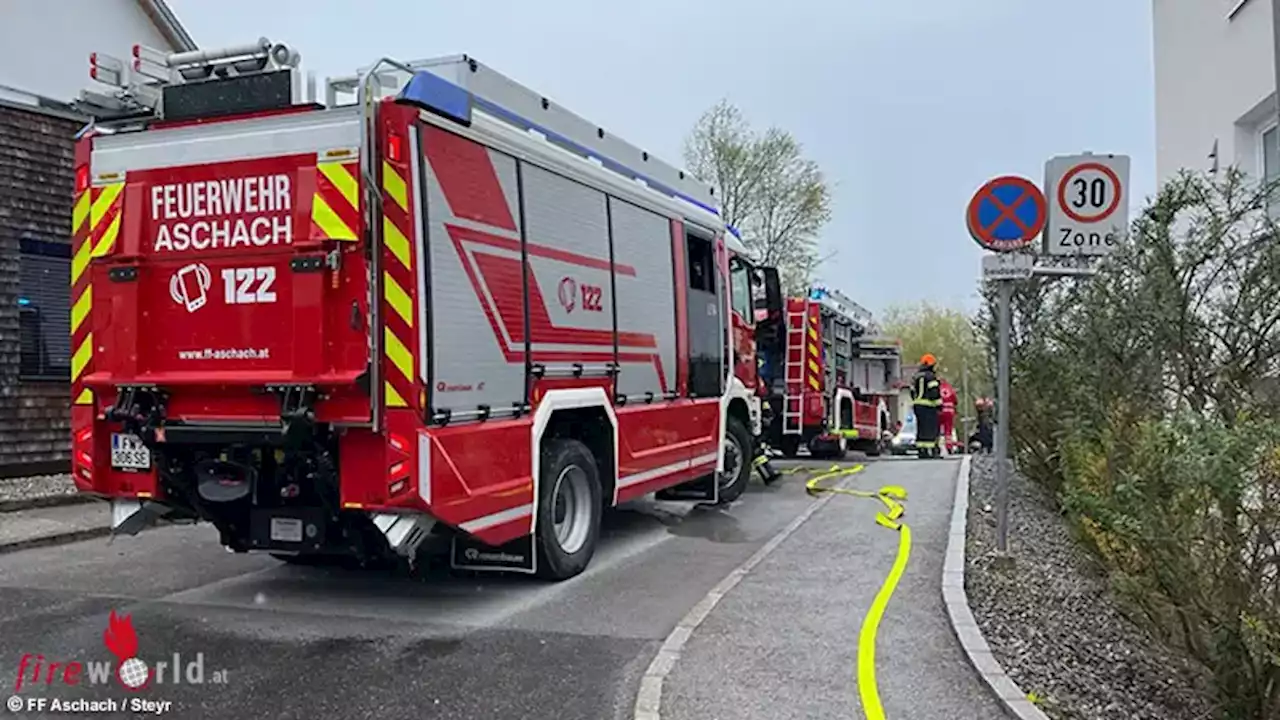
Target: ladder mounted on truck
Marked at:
794, 375
457, 85
197, 83
846, 309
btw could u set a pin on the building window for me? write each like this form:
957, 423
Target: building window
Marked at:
1270, 154
44, 310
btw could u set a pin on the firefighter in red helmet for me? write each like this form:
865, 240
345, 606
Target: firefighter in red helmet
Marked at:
926, 402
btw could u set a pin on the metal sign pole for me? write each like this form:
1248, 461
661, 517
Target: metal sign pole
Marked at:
1082, 212
1005, 290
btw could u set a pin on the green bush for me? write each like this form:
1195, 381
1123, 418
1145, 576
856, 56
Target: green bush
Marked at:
1146, 399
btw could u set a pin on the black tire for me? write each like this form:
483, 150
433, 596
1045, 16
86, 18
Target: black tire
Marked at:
731, 488
790, 446
826, 450
559, 457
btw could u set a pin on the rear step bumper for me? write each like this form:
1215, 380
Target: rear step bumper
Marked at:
404, 532
130, 516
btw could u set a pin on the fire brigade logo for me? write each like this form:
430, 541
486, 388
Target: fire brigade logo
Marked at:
568, 293
122, 641
189, 286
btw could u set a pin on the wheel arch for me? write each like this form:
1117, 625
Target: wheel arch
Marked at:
737, 402
584, 414
843, 395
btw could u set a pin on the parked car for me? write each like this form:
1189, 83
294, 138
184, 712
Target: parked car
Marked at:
904, 442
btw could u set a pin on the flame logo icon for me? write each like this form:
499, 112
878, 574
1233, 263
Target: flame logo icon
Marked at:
568, 293
122, 641
188, 286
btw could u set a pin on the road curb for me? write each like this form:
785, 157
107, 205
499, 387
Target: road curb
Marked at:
649, 698
45, 501
1011, 697
56, 539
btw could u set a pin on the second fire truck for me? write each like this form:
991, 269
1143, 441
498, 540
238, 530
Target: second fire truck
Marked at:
830, 377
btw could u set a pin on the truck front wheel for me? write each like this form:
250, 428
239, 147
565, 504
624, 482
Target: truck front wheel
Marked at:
737, 461
569, 508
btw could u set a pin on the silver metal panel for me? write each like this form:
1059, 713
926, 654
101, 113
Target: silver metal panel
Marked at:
232, 140
646, 301
470, 362
567, 232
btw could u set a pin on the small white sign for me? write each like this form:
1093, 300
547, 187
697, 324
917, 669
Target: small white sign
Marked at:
1088, 198
1007, 266
286, 529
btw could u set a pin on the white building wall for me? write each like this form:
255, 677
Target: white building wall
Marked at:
1215, 81
45, 44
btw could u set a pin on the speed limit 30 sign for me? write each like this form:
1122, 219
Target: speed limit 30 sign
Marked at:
1088, 204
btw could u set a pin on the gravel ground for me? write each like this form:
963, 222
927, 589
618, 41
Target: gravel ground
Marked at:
38, 486
1055, 627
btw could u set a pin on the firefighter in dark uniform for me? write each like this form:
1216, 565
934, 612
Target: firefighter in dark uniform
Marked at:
926, 402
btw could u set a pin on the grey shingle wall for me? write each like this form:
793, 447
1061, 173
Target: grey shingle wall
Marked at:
36, 185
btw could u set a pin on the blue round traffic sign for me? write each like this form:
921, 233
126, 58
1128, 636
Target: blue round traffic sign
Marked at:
1006, 214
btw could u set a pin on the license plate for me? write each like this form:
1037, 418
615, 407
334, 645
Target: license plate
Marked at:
286, 529
128, 452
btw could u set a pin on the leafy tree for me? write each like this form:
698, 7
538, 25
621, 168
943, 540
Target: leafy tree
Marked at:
952, 337
769, 191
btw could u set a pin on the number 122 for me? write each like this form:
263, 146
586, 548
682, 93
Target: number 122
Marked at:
237, 285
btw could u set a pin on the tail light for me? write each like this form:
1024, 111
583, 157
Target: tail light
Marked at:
395, 147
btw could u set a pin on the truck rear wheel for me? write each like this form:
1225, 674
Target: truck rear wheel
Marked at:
737, 461
569, 508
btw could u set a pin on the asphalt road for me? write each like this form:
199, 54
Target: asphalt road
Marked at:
311, 642
783, 644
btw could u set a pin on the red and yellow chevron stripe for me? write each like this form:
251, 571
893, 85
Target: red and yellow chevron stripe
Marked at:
399, 340
95, 227
335, 206
813, 362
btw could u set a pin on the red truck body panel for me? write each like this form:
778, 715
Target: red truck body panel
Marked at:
504, 291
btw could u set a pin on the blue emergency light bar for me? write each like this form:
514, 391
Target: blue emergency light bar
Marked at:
437, 95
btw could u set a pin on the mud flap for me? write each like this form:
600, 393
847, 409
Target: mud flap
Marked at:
704, 489
468, 553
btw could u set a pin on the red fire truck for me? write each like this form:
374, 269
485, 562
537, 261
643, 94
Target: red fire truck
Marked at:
450, 307
829, 376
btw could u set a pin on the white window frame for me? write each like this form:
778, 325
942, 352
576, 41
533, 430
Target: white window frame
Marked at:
1261, 136
1273, 206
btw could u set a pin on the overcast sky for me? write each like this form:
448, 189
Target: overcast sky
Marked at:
907, 106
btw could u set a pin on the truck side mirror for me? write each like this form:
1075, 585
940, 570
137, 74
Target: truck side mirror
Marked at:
772, 292
769, 329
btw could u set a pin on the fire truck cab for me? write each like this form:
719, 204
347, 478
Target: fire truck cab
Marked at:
437, 304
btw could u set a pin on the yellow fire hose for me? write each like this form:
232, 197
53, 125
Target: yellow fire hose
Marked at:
892, 497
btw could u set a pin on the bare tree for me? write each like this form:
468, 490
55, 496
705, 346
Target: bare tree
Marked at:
769, 191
